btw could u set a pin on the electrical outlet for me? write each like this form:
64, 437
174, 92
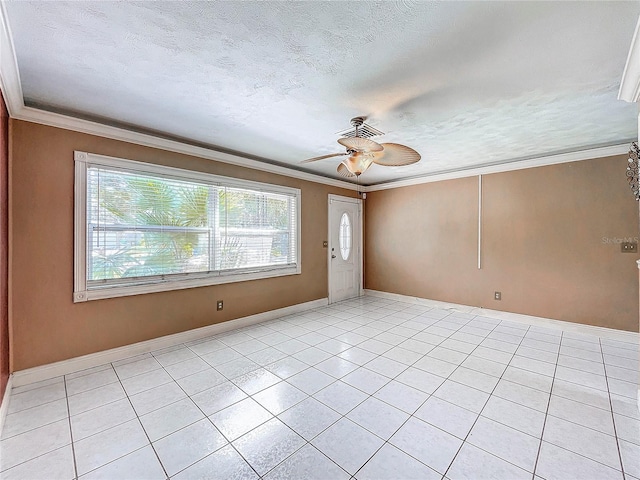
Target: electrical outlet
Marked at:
497, 295
629, 247
219, 305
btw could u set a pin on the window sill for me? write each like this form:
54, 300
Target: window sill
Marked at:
99, 293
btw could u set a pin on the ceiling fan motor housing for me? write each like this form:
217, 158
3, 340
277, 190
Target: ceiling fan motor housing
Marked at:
357, 121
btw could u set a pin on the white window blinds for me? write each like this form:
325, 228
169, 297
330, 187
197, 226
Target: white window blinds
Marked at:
144, 227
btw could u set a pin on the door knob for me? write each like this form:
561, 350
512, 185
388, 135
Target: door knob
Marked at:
333, 256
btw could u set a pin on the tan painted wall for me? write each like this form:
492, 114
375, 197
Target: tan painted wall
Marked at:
542, 242
47, 326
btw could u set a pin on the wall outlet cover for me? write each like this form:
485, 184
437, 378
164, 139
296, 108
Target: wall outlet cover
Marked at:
629, 247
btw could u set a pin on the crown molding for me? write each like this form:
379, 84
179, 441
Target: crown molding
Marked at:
66, 122
9, 74
630, 83
587, 154
14, 98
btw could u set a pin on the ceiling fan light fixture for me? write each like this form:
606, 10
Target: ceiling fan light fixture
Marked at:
363, 152
358, 163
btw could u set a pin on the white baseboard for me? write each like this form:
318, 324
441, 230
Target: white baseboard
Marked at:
52, 370
4, 407
602, 332
419, 301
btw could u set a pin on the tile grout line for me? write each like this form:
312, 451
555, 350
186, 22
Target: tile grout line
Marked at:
229, 442
483, 407
584, 426
512, 355
39, 426
162, 367
613, 418
445, 379
230, 380
572, 399
68, 417
306, 442
335, 380
282, 380
580, 384
385, 442
546, 414
73, 450
141, 426
344, 416
391, 378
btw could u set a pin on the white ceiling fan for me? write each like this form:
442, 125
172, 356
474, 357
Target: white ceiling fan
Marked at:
363, 152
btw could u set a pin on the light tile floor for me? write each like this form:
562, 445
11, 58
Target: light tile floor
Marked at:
366, 389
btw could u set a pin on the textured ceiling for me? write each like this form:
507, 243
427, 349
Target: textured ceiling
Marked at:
465, 84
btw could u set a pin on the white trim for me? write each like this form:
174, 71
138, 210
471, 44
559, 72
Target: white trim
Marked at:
52, 370
175, 284
82, 292
9, 73
479, 222
630, 83
80, 228
603, 332
43, 117
4, 408
30, 114
331, 197
13, 97
508, 166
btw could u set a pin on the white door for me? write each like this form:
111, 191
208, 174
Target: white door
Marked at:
345, 255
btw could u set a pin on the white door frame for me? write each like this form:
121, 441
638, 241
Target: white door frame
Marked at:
360, 243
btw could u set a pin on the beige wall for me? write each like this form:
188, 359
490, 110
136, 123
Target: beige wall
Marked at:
542, 248
46, 326
542, 242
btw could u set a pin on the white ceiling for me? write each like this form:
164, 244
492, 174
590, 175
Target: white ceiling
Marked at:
464, 83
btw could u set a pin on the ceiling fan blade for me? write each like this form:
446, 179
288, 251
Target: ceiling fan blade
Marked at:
360, 144
344, 171
322, 157
396, 155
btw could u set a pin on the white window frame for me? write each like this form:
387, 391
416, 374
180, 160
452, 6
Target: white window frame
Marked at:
81, 293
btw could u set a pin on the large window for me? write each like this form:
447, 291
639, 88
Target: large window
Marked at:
145, 228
